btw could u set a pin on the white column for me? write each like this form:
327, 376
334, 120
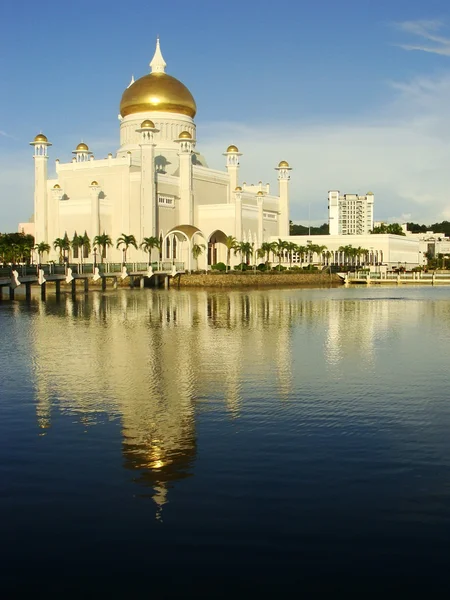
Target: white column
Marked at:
260, 201
149, 215
283, 183
186, 191
238, 215
40, 144
95, 210
232, 155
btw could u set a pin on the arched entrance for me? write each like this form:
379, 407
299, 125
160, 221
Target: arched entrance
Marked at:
179, 243
216, 247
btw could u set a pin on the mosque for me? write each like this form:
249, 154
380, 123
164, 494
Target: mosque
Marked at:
157, 184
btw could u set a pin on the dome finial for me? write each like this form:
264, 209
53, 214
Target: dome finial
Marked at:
131, 82
158, 64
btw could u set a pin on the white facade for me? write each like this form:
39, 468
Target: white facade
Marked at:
350, 214
156, 185
381, 249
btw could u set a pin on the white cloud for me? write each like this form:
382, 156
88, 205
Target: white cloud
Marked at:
426, 30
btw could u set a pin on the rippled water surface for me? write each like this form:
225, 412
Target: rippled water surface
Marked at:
224, 443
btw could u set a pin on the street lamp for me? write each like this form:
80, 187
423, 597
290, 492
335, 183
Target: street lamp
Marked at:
95, 256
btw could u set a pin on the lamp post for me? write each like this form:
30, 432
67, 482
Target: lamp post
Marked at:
95, 256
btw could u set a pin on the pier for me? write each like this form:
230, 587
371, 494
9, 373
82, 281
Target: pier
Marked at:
365, 277
158, 274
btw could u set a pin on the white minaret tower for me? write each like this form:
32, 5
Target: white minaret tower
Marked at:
94, 189
283, 192
232, 155
149, 205
158, 64
40, 156
260, 203
186, 210
238, 213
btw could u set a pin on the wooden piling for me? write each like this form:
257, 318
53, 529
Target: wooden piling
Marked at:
86, 285
57, 289
28, 291
43, 290
74, 287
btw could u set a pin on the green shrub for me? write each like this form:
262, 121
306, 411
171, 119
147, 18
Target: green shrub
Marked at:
220, 266
279, 268
262, 267
241, 267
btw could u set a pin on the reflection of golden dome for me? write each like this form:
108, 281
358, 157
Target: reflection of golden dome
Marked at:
238, 189
41, 138
94, 183
82, 147
232, 149
283, 164
147, 124
56, 186
260, 193
157, 91
185, 135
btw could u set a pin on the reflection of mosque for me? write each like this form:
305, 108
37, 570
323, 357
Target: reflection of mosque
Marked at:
151, 359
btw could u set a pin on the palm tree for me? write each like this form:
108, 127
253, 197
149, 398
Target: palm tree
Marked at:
197, 250
126, 241
62, 244
291, 247
320, 249
246, 250
147, 244
77, 243
230, 243
41, 248
102, 241
266, 249
302, 250
280, 247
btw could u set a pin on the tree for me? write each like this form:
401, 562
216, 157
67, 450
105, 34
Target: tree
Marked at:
280, 247
230, 243
246, 250
41, 248
126, 241
266, 249
63, 245
291, 247
296, 229
103, 242
197, 251
147, 244
86, 246
394, 228
302, 250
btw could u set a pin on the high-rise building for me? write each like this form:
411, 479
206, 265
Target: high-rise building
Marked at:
350, 214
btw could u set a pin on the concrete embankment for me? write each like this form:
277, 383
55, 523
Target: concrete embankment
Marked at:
250, 279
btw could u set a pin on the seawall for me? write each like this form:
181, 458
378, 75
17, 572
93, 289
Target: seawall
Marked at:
250, 279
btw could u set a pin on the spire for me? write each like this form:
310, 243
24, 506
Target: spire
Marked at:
158, 64
131, 82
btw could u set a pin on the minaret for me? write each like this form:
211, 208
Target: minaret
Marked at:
232, 155
186, 208
238, 214
283, 183
260, 202
94, 189
82, 152
149, 205
40, 144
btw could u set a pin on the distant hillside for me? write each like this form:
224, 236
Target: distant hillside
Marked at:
305, 230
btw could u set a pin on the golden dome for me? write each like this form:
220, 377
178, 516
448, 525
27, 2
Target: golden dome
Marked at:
157, 91
369, 194
82, 147
232, 148
94, 183
56, 186
260, 193
238, 189
41, 138
283, 164
147, 124
185, 135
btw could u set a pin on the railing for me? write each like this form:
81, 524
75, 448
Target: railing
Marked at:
88, 268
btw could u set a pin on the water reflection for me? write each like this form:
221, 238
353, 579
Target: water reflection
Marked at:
153, 360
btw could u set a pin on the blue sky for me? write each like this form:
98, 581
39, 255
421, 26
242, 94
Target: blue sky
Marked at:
354, 93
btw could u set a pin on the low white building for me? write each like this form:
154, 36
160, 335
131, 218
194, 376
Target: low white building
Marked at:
375, 249
350, 214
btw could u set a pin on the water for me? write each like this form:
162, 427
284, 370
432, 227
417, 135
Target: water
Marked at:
225, 443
